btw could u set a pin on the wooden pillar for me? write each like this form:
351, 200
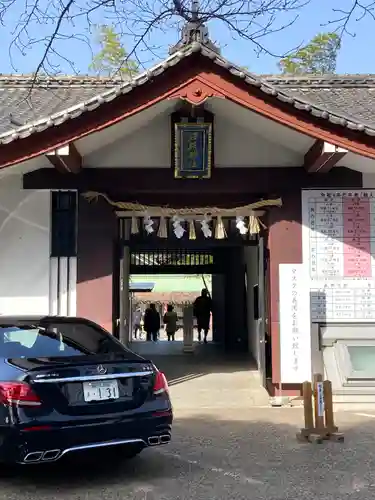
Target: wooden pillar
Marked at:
125, 327
285, 247
97, 233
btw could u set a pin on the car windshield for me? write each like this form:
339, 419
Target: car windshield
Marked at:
55, 339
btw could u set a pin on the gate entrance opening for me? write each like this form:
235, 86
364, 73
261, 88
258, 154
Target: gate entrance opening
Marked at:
237, 271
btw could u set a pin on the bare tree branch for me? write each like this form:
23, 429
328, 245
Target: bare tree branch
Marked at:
357, 11
47, 27
54, 30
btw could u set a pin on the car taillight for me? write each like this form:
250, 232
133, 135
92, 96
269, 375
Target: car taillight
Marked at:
37, 428
160, 384
18, 393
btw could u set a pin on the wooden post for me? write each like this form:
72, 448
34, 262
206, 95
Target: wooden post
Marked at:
321, 426
330, 419
307, 405
307, 396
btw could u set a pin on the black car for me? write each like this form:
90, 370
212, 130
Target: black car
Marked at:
67, 385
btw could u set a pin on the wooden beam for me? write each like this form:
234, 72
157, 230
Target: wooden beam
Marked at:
66, 159
322, 156
150, 185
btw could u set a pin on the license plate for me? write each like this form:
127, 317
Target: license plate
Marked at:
100, 391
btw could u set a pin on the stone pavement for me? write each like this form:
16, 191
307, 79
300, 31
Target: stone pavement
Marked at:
219, 455
209, 380
224, 446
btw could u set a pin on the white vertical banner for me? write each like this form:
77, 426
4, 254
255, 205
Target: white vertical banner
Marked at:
320, 398
72, 286
295, 324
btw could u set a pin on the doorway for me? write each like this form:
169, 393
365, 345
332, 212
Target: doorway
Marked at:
237, 327
177, 275
176, 291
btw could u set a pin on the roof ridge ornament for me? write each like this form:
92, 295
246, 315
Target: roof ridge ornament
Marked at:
194, 31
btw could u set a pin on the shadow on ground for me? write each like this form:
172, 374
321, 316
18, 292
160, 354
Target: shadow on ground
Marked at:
219, 457
205, 360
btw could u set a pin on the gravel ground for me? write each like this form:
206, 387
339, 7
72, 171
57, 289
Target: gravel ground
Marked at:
224, 454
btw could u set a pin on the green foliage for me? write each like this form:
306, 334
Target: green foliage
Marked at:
112, 57
317, 57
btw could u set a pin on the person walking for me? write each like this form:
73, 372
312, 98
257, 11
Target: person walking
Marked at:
170, 321
137, 318
151, 323
202, 312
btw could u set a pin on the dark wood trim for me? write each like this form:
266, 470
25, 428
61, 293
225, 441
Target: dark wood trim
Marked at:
208, 269
146, 185
209, 243
322, 157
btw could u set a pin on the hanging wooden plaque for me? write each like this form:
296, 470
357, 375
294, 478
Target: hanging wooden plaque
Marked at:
192, 150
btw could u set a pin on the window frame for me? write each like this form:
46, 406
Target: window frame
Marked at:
63, 239
350, 376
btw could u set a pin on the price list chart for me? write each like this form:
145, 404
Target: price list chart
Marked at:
343, 302
341, 235
339, 250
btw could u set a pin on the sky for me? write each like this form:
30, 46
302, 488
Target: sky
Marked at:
356, 54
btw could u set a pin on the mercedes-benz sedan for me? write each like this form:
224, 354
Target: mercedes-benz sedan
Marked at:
67, 385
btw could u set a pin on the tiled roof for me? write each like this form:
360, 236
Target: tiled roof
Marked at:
350, 96
49, 97
346, 100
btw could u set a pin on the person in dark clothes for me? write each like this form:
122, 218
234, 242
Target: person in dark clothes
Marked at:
137, 318
151, 323
170, 321
202, 312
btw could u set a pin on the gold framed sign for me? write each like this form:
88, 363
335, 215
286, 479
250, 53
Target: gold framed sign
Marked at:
192, 150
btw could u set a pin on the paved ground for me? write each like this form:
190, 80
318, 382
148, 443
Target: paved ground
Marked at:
223, 455
179, 335
223, 447
209, 381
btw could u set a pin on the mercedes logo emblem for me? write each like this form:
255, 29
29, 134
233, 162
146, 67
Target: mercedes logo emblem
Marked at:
101, 370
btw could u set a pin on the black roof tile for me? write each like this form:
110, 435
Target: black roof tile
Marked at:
347, 100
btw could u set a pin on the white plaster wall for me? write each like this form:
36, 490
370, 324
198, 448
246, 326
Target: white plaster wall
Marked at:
150, 146
24, 248
368, 181
235, 146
